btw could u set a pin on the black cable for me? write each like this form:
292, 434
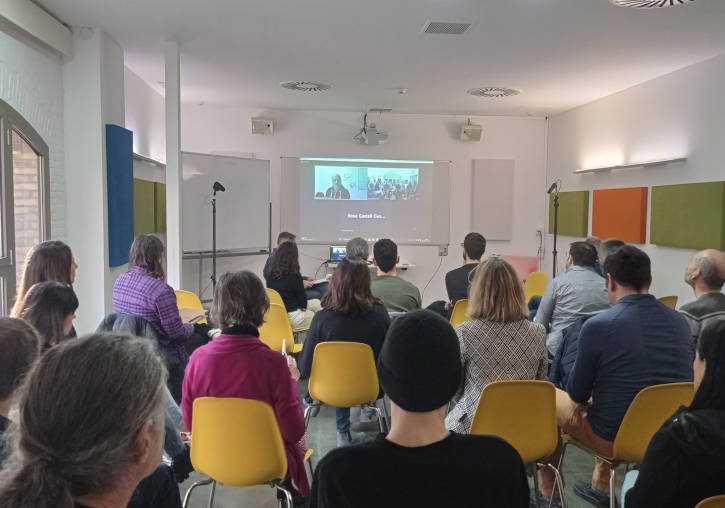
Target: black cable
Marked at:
431, 277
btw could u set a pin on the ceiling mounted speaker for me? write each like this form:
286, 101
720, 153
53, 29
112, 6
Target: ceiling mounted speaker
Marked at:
262, 126
650, 4
471, 132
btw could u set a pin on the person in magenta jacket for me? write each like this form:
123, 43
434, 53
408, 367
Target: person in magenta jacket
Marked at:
238, 364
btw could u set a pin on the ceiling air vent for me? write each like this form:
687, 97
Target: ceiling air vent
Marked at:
380, 110
650, 4
445, 28
493, 91
305, 86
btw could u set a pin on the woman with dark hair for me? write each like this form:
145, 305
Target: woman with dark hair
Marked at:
90, 426
685, 461
51, 260
285, 278
349, 312
238, 364
50, 307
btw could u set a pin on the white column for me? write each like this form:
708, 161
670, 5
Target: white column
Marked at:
174, 250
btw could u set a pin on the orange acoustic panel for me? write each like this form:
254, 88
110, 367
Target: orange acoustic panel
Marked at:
620, 213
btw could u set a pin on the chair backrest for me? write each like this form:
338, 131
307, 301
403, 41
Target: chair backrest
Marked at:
521, 412
237, 441
274, 297
188, 300
646, 414
344, 374
670, 301
712, 502
535, 284
460, 312
276, 328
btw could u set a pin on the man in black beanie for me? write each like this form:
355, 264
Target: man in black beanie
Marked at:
419, 462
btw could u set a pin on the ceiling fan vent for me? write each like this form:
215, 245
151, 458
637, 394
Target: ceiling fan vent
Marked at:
650, 4
493, 92
445, 28
305, 86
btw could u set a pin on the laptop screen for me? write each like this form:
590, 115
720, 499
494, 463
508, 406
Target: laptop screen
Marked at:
337, 252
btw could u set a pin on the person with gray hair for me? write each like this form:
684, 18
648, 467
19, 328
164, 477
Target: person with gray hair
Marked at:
607, 247
88, 440
357, 248
705, 273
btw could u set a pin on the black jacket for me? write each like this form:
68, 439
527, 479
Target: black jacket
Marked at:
563, 362
684, 463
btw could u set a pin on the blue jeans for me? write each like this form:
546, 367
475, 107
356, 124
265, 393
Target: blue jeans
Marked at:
317, 291
629, 480
342, 419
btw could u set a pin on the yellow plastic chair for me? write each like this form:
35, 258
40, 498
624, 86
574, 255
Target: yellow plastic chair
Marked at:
343, 374
524, 414
275, 297
535, 285
189, 300
670, 301
237, 442
276, 329
712, 502
460, 313
646, 414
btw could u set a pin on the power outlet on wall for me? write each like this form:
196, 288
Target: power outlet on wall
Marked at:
443, 250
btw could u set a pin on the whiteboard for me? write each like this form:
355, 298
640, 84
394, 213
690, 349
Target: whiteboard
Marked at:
242, 211
492, 194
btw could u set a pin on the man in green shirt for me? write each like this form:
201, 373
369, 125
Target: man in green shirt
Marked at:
398, 295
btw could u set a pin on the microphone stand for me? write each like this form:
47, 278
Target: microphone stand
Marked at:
556, 228
213, 240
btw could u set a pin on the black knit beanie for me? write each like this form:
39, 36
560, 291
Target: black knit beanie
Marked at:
420, 364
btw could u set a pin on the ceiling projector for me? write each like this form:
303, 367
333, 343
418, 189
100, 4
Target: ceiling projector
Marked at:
369, 134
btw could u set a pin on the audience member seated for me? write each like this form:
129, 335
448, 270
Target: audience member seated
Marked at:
349, 312
706, 274
19, 348
637, 343
313, 291
419, 462
50, 308
596, 242
685, 461
498, 342
143, 292
47, 261
238, 364
398, 295
63, 458
607, 247
458, 281
576, 293
357, 248
284, 277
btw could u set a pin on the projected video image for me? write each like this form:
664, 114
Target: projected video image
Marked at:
392, 183
356, 183
340, 182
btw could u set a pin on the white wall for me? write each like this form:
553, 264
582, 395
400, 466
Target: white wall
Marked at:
680, 114
308, 133
31, 81
145, 117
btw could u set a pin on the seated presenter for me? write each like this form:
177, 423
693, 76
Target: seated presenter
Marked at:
284, 277
398, 295
337, 190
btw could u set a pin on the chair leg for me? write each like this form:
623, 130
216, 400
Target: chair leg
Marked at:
535, 474
381, 424
559, 483
385, 414
612, 473
211, 494
308, 412
193, 486
287, 494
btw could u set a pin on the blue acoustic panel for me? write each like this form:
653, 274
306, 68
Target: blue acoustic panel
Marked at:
119, 181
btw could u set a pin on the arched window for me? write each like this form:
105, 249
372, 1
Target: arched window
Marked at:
24, 198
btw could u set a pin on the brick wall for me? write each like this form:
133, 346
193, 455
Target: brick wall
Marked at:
31, 81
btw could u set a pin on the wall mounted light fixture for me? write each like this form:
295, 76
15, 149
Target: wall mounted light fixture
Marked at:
630, 166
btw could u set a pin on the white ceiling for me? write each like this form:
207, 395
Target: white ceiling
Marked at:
560, 53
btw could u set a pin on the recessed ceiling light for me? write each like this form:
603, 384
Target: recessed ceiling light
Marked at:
650, 4
305, 86
493, 91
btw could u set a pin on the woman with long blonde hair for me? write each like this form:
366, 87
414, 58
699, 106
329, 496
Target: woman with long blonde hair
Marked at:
498, 342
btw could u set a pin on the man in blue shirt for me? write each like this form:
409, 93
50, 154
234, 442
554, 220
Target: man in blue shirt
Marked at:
639, 342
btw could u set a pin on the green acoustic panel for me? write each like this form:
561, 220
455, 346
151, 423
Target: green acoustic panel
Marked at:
690, 215
144, 210
573, 213
160, 203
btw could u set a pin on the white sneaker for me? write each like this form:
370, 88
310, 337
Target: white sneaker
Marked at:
349, 438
